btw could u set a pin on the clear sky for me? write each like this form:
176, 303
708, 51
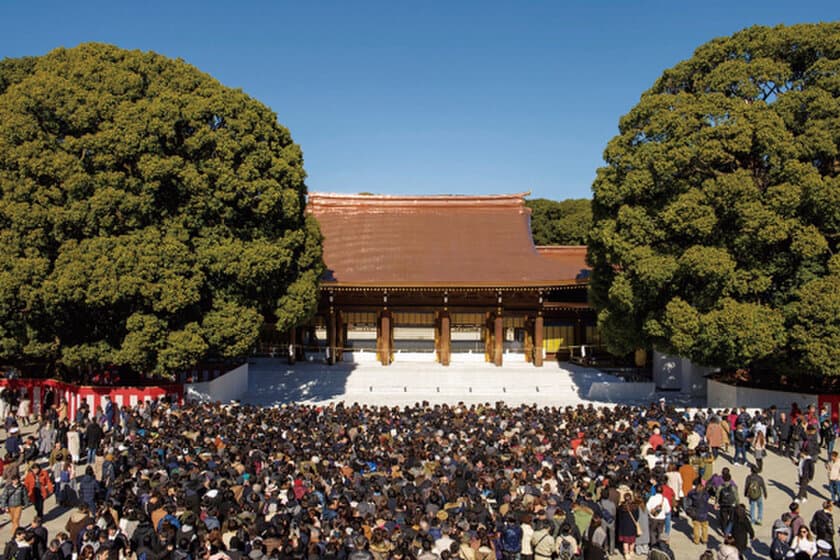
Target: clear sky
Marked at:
422, 97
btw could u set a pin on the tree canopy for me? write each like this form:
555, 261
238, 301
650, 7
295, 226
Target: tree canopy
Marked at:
149, 216
564, 222
717, 215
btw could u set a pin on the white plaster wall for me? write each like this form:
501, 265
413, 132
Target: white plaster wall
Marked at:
694, 378
612, 391
721, 395
668, 371
225, 388
676, 373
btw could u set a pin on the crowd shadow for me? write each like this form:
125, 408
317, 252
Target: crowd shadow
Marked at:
56, 512
783, 487
759, 549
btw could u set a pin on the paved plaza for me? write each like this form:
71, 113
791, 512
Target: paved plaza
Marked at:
779, 473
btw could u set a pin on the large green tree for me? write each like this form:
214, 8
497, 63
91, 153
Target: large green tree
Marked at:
564, 222
149, 216
717, 216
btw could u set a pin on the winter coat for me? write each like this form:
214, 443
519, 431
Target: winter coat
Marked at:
624, 525
715, 435
742, 530
88, 488
14, 496
93, 435
74, 444
698, 503
43, 480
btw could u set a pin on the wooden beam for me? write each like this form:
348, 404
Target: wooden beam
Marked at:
538, 341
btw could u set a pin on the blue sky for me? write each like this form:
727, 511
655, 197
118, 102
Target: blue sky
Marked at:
422, 97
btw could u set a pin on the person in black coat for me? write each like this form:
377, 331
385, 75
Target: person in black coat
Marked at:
40, 537
697, 507
53, 551
822, 525
626, 521
93, 437
742, 530
88, 489
784, 428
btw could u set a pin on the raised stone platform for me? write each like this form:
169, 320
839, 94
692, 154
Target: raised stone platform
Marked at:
273, 382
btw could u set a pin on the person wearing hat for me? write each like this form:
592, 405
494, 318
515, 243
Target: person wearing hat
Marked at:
823, 550
780, 546
38, 486
13, 442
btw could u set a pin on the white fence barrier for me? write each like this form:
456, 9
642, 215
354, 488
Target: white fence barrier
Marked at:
723, 395
228, 387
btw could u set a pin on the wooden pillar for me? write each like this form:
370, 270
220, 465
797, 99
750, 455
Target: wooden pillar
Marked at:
342, 332
383, 338
538, 341
445, 339
331, 332
300, 352
499, 335
488, 337
529, 340
580, 333
292, 346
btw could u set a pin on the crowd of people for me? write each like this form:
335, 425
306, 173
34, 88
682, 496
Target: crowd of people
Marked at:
163, 481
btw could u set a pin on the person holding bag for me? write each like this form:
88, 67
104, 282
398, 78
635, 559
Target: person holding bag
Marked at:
627, 524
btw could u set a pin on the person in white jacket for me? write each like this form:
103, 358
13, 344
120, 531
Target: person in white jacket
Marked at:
833, 467
658, 508
74, 443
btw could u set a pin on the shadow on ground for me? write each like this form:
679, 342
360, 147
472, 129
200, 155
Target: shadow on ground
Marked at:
274, 382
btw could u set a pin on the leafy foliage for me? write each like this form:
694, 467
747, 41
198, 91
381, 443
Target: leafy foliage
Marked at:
566, 222
718, 209
149, 216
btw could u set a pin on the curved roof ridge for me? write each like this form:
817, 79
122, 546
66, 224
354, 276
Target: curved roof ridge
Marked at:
340, 200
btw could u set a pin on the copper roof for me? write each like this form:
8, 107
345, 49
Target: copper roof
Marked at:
567, 254
446, 240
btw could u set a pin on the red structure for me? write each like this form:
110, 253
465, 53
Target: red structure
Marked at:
833, 402
75, 395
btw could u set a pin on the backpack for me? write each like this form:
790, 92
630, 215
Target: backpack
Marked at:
727, 496
607, 516
658, 554
511, 540
565, 551
754, 489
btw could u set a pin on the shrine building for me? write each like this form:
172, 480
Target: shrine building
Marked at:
446, 278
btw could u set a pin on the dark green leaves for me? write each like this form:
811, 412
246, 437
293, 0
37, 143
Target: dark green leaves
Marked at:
719, 206
149, 216
566, 222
